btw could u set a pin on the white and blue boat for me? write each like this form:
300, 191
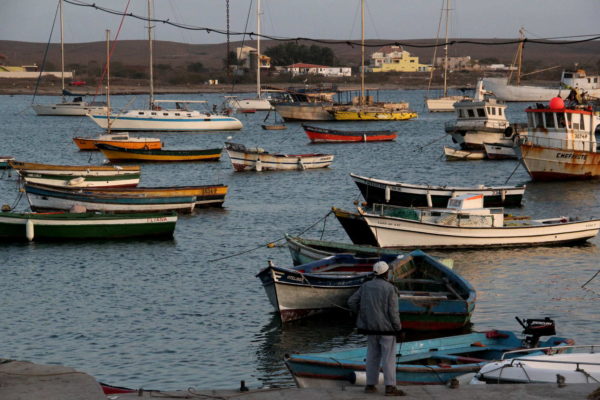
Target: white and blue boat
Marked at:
425, 362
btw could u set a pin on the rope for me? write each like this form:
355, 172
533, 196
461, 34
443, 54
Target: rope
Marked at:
268, 243
589, 280
420, 148
514, 170
37, 83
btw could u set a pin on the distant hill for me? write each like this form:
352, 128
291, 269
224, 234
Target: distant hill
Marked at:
134, 52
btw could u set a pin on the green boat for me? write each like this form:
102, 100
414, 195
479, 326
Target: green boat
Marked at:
17, 226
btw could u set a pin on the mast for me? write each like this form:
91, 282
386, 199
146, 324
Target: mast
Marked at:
446, 51
62, 51
108, 81
362, 53
258, 49
150, 53
520, 56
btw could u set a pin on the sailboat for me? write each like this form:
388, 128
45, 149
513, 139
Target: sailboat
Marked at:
77, 107
258, 103
444, 103
181, 118
363, 108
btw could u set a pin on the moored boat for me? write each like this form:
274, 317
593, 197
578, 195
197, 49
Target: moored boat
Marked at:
372, 113
120, 140
324, 135
430, 296
355, 226
497, 151
561, 142
84, 226
407, 194
421, 362
116, 154
463, 155
257, 159
4, 161
466, 224
77, 175
48, 198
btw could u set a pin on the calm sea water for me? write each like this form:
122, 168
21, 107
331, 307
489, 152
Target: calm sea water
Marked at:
169, 314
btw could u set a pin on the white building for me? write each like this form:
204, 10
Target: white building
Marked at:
323, 70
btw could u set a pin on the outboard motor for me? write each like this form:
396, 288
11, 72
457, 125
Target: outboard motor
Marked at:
534, 329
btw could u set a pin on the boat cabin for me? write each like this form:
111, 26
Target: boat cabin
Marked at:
580, 80
557, 126
486, 113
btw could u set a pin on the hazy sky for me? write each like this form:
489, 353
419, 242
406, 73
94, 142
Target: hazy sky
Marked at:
31, 20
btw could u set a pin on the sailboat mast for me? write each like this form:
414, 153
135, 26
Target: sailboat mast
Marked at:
520, 55
108, 81
62, 51
150, 53
446, 51
362, 52
258, 48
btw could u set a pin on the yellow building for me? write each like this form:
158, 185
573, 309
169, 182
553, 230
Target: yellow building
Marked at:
395, 59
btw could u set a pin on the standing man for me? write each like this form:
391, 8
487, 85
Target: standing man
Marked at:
376, 303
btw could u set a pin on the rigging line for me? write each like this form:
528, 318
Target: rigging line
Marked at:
592, 278
37, 83
242, 45
437, 39
350, 43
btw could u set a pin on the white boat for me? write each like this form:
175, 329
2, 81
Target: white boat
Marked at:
258, 103
444, 103
155, 118
257, 159
561, 142
453, 154
481, 120
567, 365
75, 108
465, 223
497, 151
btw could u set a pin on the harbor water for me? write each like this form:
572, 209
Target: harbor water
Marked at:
190, 311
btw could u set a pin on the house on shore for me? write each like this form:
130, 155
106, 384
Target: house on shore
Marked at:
312, 69
396, 59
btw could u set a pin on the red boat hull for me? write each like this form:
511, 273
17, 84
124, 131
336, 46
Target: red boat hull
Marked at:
321, 135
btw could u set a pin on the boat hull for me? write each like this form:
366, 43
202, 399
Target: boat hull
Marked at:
495, 151
403, 233
355, 226
409, 195
503, 91
84, 226
322, 135
130, 122
74, 170
90, 143
67, 109
83, 181
246, 160
463, 155
305, 111
443, 104
119, 154
343, 115
249, 104
549, 164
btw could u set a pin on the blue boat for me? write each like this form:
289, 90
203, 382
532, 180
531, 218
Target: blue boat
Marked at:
431, 296
424, 362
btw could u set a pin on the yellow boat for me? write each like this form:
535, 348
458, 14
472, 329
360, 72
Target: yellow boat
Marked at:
117, 154
372, 115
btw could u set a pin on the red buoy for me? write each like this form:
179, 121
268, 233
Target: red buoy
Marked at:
557, 103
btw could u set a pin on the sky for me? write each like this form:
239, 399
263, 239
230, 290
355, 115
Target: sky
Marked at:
31, 20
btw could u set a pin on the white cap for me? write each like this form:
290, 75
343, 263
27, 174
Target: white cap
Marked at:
380, 267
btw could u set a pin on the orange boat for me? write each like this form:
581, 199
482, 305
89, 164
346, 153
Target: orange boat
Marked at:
120, 140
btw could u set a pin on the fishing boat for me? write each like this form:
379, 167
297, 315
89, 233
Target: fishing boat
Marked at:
580, 365
453, 154
324, 135
77, 107
181, 118
77, 175
257, 159
120, 140
305, 250
117, 154
424, 362
412, 195
561, 142
274, 127
206, 195
465, 223
355, 226
445, 103
47, 198
497, 151
84, 226
430, 296
4, 161
481, 120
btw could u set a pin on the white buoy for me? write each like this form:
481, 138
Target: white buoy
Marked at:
258, 165
29, 231
388, 194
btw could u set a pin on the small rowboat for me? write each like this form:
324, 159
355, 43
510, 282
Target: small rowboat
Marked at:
73, 176
257, 159
461, 155
116, 154
498, 151
84, 226
276, 127
120, 140
324, 135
